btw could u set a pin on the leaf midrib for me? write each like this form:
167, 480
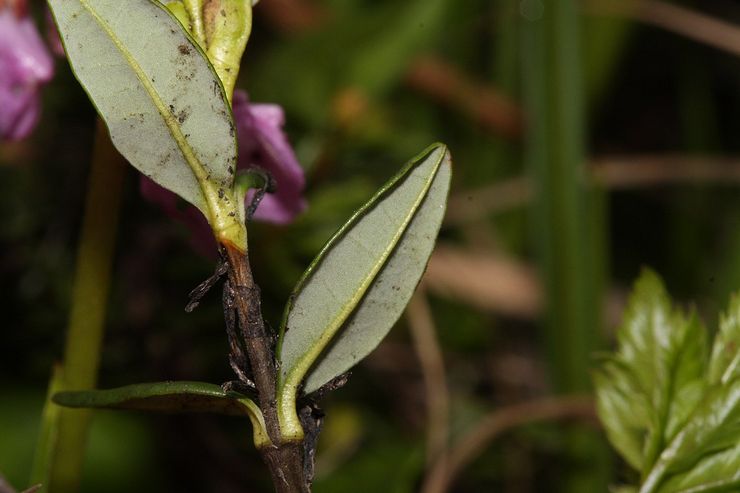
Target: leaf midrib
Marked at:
301, 367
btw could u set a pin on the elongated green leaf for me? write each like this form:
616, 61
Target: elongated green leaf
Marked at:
164, 105
358, 286
171, 397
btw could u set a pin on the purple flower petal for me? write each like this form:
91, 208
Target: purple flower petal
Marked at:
25, 64
52, 36
263, 145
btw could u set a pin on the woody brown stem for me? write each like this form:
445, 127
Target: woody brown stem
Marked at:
284, 460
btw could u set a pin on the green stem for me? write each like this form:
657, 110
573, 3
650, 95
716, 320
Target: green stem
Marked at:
569, 223
59, 465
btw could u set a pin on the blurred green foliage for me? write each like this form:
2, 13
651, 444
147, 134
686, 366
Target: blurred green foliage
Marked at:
340, 68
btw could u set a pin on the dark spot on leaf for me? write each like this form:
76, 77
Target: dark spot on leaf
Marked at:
230, 169
232, 214
182, 116
164, 162
221, 193
183, 74
184, 49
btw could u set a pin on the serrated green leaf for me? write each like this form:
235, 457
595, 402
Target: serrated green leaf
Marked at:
622, 489
724, 365
714, 427
696, 438
716, 473
161, 99
647, 391
359, 284
171, 397
624, 411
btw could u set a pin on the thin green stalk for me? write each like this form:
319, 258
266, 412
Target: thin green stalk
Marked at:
567, 228
61, 452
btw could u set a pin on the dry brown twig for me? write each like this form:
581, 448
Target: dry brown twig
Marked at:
5, 487
700, 27
492, 426
467, 276
424, 336
629, 172
481, 102
493, 282
610, 172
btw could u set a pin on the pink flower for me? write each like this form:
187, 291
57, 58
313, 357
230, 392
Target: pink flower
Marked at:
263, 146
25, 64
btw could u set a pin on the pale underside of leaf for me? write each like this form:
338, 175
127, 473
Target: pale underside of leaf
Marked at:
390, 292
170, 397
360, 283
160, 98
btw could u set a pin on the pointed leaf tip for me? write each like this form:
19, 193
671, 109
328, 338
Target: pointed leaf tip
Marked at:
359, 284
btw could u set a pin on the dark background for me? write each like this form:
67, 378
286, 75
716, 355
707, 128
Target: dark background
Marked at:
366, 85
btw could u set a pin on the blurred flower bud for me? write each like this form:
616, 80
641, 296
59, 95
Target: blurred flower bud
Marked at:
263, 145
25, 64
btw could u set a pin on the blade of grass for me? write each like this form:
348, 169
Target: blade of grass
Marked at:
58, 463
567, 228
